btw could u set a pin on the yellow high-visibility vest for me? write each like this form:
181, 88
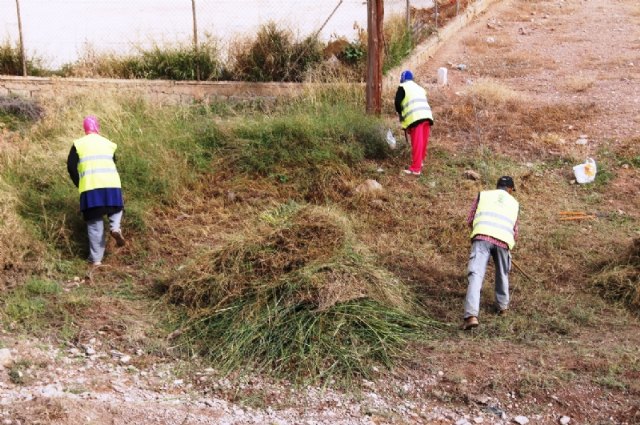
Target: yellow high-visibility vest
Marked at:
414, 106
95, 163
496, 216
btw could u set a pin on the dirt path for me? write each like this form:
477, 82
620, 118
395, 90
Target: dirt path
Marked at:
584, 50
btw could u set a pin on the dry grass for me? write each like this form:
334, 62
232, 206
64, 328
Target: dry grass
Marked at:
619, 280
493, 115
578, 83
313, 241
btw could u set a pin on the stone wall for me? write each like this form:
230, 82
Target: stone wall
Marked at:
161, 91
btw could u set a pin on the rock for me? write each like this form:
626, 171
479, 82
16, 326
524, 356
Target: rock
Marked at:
478, 419
521, 420
51, 391
523, 31
564, 420
89, 351
369, 186
472, 175
491, 40
125, 359
461, 67
5, 357
462, 421
582, 140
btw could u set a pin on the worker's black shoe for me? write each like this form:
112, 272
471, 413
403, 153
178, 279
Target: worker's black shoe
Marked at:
117, 235
469, 323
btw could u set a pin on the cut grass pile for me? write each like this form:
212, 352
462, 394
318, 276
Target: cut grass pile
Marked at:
619, 279
299, 295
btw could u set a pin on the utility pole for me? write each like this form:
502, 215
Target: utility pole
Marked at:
195, 38
408, 16
22, 55
375, 17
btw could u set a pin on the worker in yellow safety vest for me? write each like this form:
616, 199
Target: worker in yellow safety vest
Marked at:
92, 168
494, 222
416, 119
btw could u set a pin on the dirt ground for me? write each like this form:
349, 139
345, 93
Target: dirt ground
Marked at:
583, 50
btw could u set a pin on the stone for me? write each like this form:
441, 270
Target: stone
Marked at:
564, 420
472, 175
5, 357
582, 140
521, 420
369, 186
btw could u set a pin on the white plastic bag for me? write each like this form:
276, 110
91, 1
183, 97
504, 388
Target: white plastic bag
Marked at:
586, 173
390, 139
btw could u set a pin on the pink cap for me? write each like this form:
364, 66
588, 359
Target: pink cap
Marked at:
91, 124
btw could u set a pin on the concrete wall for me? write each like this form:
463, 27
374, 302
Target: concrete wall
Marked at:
166, 92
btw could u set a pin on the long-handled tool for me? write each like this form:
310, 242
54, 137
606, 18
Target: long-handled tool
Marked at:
575, 215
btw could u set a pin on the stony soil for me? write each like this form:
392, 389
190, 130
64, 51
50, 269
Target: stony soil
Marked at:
576, 43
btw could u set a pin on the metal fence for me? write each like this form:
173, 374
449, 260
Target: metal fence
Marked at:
60, 31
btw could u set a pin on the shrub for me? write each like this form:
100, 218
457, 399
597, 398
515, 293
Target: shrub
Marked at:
274, 56
180, 62
11, 61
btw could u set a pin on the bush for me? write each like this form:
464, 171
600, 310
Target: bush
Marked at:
274, 56
180, 62
11, 61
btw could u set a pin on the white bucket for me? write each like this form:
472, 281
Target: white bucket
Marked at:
585, 173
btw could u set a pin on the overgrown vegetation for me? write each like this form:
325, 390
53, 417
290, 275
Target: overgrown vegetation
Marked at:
272, 54
178, 62
11, 61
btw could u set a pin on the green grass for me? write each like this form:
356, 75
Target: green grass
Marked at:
39, 305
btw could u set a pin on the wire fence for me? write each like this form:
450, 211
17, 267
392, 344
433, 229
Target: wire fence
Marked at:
59, 31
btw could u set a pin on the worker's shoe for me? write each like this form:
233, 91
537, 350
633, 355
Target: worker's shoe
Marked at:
503, 311
117, 235
412, 173
469, 323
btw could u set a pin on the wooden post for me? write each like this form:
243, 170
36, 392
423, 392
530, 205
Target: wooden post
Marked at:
23, 57
195, 38
375, 18
408, 16
435, 2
